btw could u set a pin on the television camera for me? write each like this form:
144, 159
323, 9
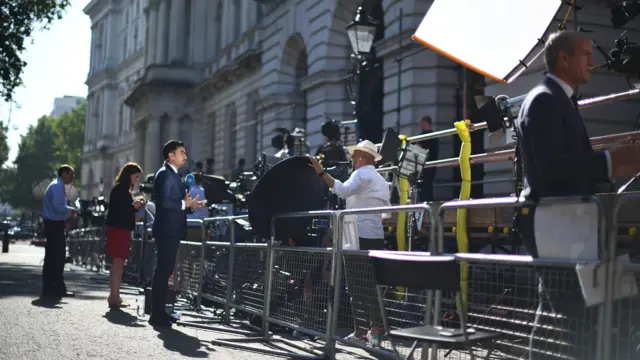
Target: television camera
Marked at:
624, 59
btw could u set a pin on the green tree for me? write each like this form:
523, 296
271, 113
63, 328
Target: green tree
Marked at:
47, 145
4, 145
69, 137
35, 162
18, 18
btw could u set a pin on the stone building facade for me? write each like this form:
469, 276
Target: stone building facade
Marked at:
117, 60
222, 75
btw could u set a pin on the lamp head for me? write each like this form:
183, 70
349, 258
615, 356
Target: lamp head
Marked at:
362, 32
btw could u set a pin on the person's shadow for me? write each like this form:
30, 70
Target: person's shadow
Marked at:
182, 343
119, 317
48, 302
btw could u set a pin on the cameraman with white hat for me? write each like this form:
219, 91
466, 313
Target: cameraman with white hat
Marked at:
365, 188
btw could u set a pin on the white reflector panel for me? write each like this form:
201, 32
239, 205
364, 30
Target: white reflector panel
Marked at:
492, 37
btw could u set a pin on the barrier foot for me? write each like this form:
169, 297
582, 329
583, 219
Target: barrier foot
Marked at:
206, 325
241, 343
215, 323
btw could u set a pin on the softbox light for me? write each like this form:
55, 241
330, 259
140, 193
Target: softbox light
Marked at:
496, 38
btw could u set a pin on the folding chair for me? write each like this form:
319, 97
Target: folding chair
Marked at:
423, 271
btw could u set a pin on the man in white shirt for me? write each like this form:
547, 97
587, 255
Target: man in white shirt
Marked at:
365, 188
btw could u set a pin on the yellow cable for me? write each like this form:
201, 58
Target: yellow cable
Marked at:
462, 128
401, 230
563, 25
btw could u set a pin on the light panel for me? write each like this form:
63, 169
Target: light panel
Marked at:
492, 37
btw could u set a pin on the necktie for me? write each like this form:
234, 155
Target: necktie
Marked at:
574, 100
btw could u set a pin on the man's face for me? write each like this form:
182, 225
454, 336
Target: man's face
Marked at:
578, 64
178, 158
358, 159
67, 177
424, 125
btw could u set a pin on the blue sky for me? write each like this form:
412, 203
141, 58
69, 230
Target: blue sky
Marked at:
57, 65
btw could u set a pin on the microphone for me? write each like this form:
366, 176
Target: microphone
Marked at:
189, 180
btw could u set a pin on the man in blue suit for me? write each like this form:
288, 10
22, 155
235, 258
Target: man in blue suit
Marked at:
169, 226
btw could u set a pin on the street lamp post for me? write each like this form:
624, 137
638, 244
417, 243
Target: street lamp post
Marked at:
361, 33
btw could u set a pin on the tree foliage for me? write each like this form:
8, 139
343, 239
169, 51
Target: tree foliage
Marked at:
4, 145
18, 18
46, 145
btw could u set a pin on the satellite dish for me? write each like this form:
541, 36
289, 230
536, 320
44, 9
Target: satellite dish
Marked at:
40, 188
72, 192
289, 186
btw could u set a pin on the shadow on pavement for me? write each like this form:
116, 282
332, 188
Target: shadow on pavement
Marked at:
25, 280
48, 303
185, 345
119, 317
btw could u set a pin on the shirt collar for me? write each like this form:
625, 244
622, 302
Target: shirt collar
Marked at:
565, 87
173, 167
367, 167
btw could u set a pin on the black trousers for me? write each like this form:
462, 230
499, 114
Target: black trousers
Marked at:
166, 253
55, 252
361, 286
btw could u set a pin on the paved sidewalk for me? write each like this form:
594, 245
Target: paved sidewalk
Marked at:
83, 327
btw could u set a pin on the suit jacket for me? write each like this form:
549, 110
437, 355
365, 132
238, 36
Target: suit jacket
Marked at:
556, 151
171, 220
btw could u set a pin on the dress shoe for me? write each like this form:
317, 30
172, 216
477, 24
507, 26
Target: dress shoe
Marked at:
172, 318
159, 320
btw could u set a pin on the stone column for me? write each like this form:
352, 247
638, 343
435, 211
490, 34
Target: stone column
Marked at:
177, 31
152, 146
87, 126
161, 32
139, 147
174, 129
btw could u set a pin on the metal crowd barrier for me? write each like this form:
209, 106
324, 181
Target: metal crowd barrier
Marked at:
259, 289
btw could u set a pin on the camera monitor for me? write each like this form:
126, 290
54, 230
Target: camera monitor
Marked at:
390, 147
496, 38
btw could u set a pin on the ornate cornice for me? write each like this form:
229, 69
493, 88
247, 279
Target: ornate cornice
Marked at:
247, 63
162, 77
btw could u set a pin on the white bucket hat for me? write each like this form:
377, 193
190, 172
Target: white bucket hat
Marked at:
368, 147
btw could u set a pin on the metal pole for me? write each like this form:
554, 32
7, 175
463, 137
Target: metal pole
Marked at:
399, 61
585, 103
5, 238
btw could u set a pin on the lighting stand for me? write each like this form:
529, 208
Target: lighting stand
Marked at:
410, 165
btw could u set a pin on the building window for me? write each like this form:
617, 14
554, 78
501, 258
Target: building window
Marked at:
137, 10
121, 118
126, 18
124, 45
259, 13
212, 142
237, 21
218, 28
135, 37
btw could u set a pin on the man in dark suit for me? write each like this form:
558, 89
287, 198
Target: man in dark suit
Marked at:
170, 225
558, 160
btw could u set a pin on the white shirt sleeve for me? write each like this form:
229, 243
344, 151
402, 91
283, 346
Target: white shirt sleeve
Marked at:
350, 187
184, 205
